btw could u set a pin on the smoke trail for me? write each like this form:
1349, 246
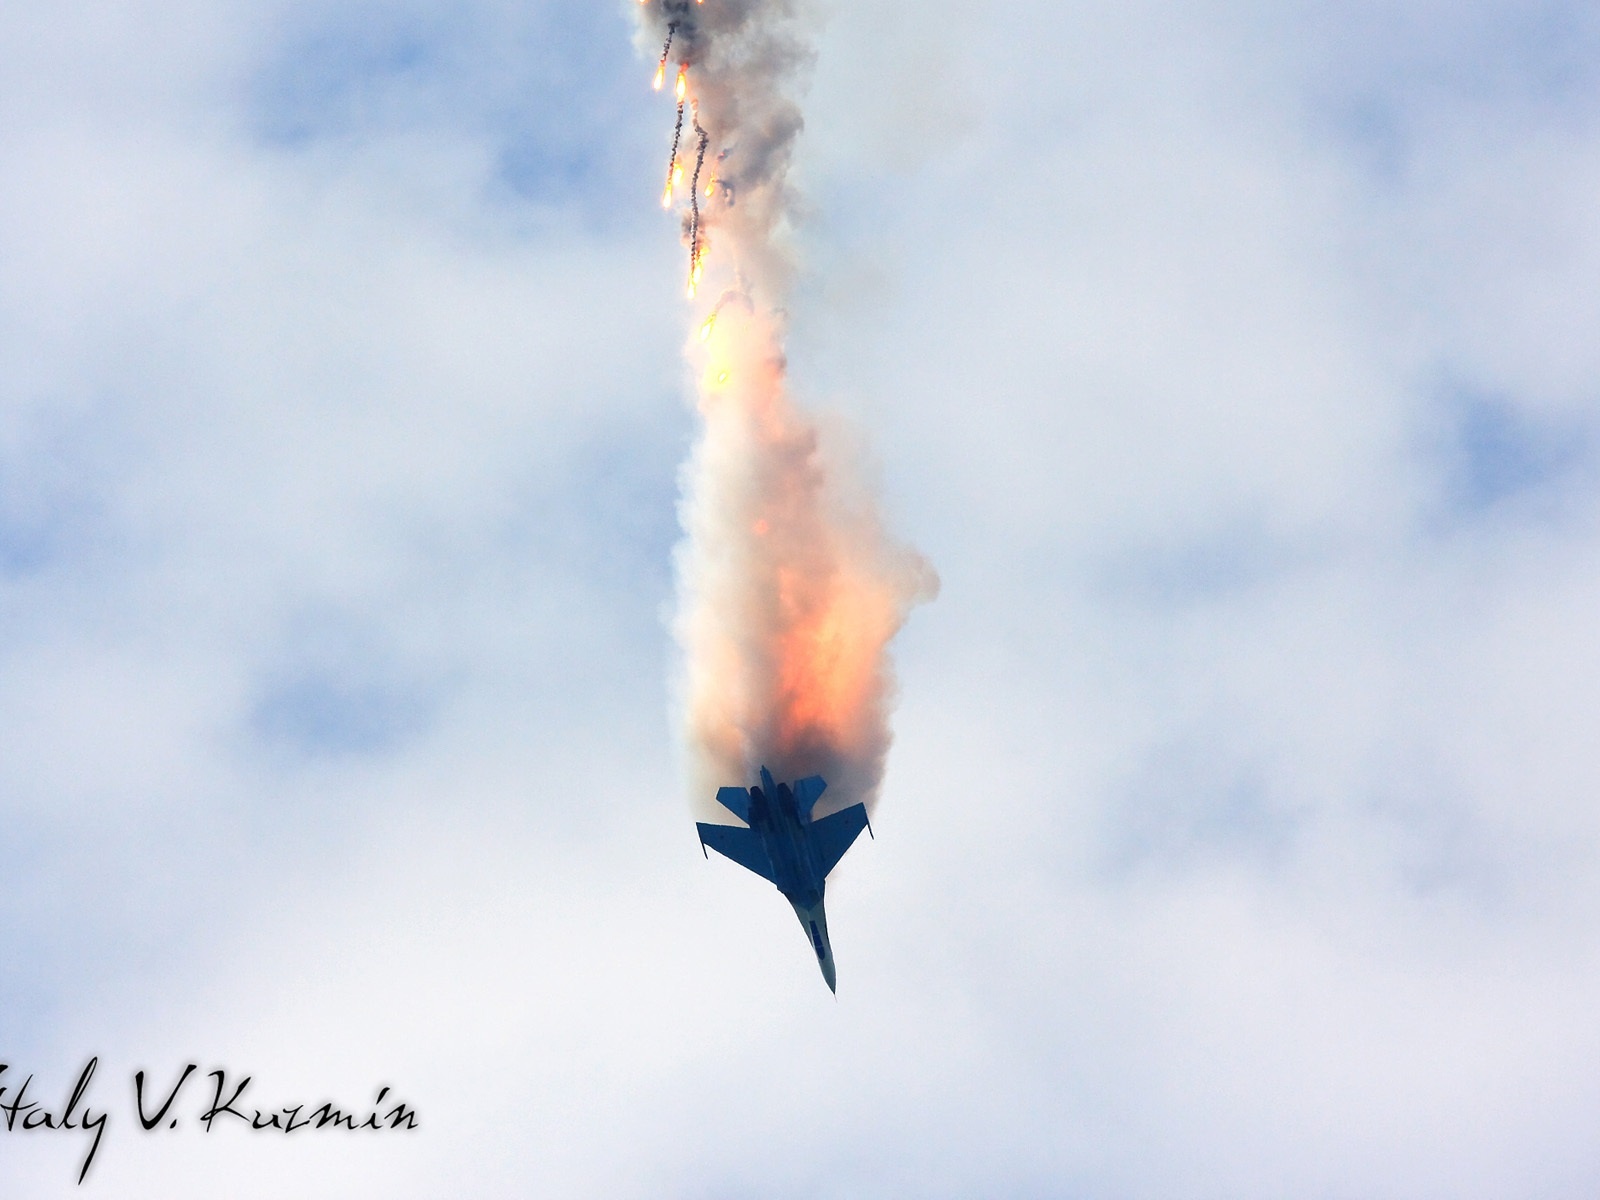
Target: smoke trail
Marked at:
694, 200
789, 588
672, 160
666, 49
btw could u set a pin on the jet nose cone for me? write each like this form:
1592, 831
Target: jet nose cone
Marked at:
815, 922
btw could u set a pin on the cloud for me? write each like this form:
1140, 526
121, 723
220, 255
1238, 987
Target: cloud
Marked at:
1238, 836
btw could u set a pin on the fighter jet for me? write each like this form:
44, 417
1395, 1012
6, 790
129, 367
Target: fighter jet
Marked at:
786, 847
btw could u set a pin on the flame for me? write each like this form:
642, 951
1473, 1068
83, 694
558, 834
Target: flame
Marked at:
790, 589
828, 672
797, 599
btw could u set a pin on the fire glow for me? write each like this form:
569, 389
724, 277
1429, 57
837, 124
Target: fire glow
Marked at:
789, 590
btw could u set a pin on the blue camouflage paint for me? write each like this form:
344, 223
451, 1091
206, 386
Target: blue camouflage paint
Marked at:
786, 847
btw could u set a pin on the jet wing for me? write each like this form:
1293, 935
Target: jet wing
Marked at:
833, 835
743, 846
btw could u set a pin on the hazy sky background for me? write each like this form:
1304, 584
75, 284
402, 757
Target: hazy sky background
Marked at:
1235, 364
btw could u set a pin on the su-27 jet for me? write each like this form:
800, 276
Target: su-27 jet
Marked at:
786, 847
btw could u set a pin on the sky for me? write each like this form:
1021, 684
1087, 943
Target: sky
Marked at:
1232, 363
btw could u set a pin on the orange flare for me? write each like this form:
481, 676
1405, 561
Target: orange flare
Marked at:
661, 75
705, 330
683, 82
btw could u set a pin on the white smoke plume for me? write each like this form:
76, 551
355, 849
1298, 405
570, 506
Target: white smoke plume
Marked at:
789, 588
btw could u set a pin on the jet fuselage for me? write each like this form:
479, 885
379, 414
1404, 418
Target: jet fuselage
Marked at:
783, 844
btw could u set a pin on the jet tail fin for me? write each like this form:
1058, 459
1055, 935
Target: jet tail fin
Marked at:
736, 800
807, 792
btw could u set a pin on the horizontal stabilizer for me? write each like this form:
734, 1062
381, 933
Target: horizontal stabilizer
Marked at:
807, 792
736, 800
833, 835
742, 845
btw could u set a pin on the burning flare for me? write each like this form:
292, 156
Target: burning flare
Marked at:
666, 49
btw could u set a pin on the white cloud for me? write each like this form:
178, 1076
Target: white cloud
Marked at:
1238, 840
